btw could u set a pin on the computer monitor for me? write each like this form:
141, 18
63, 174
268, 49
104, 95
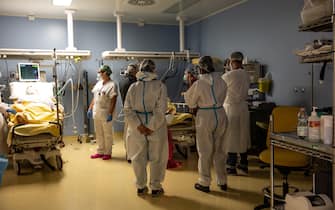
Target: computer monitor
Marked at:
29, 72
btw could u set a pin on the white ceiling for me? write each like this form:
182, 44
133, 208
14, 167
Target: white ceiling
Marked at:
162, 12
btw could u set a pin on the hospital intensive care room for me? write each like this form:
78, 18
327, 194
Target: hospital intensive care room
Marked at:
167, 104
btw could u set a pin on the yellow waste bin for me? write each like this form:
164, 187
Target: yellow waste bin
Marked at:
264, 85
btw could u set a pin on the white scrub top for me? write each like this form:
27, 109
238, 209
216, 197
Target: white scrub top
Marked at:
103, 94
237, 136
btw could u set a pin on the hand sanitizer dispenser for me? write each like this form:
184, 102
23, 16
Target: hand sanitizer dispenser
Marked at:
314, 127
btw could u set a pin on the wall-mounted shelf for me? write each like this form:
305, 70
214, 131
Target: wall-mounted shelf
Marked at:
322, 25
147, 54
39, 54
323, 57
318, 55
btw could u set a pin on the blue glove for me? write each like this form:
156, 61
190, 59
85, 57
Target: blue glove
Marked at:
89, 114
12, 111
109, 118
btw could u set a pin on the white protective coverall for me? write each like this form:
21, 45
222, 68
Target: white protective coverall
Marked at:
103, 94
146, 103
237, 136
208, 94
3, 129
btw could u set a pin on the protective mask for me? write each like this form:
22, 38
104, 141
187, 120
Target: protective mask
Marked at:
230, 67
227, 68
98, 77
185, 78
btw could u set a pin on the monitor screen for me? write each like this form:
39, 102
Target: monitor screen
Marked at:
29, 71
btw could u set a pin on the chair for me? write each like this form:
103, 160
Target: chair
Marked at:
259, 123
284, 119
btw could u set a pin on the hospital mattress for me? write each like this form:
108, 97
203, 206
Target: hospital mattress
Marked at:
25, 130
181, 125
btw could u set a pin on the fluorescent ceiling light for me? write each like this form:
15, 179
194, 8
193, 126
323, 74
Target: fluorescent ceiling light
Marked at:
61, 2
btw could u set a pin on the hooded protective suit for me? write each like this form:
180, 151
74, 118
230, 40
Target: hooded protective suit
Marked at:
208, 94
146, 103
237, 136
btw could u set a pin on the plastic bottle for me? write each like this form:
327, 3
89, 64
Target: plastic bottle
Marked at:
302, 127
314, 127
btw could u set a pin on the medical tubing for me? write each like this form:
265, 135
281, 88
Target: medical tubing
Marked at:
74, 105
64, 86
171, 64
7, 71
72, 98
78, 86
68, 66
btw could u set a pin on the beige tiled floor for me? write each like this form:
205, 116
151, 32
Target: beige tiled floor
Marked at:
87, 184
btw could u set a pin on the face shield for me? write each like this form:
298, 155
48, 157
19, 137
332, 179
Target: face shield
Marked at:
132, 69
147, 71
147, 66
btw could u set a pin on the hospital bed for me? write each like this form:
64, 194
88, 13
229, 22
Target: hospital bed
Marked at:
35, 131
182, 127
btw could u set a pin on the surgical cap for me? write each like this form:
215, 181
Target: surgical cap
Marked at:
132, 68
206, 63
106, 68
147, 66
236, 56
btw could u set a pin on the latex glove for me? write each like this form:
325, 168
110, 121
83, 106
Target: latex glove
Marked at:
12, 111
144, 130
89, 114
141, 129
109, 118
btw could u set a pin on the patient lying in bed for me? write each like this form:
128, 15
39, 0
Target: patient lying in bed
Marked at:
36, 112
174, 118
33, 118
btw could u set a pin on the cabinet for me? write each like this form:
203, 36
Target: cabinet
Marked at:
290, 141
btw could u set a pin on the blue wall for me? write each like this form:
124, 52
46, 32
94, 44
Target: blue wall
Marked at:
18, 32
266, 30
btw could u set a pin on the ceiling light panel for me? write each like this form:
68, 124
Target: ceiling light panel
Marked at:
141, 2
180, 6
61, 2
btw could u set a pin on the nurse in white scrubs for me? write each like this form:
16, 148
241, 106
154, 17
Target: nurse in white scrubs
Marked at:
237, 136
102, 109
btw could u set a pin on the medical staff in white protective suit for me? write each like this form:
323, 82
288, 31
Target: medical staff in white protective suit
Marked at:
4, 110
102, 109
144, 108
207, 94
237, 137
124, 84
